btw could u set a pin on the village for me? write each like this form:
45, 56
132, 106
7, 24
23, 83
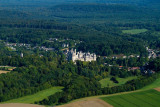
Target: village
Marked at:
68, 47
61, 45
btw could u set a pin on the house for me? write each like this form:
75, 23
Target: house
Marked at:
120, 67
133, 68
124, 57
65, 45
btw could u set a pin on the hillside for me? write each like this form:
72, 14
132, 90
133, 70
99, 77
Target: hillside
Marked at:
147, 98
31, 99
83, 1
94, 8
37, 38
121, 99
76, 11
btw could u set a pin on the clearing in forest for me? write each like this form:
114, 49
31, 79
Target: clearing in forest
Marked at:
135, 31
108, 83
3, 72
6, 69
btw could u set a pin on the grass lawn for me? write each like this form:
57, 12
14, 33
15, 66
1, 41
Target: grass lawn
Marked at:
148, 98
134, 31
107, 82
37, 96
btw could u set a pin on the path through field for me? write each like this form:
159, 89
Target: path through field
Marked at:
158, 89
88, 103
19, 105
1, 71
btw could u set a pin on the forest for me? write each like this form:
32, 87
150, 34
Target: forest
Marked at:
101, 39
102, 34
98, 26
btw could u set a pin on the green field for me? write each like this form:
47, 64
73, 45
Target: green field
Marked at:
149, 98
148, 90
134, 31
155, 84
36, 97
107, 82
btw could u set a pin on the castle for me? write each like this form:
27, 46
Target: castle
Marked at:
73, 55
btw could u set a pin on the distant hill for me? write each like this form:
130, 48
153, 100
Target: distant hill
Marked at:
110, 10
154, 4
138, 2
96, 1
13, 14
94, 8
103, 11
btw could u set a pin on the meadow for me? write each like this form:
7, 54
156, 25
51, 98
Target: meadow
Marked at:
155, 84
107, 82
148, 98
134, 31
37, 96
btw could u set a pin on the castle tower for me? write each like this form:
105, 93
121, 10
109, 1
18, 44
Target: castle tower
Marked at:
21, 55
94, 57
73, 56
74, 50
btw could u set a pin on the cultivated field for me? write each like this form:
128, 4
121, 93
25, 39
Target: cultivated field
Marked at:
107, 82
36, 97
149, 98
143, 93
88, 103
19, 105
146, 96
134, 31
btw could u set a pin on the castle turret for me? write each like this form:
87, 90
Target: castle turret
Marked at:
74, 50
71, 50
21, 55
94, 57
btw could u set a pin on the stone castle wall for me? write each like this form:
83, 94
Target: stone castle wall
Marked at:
73, 55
